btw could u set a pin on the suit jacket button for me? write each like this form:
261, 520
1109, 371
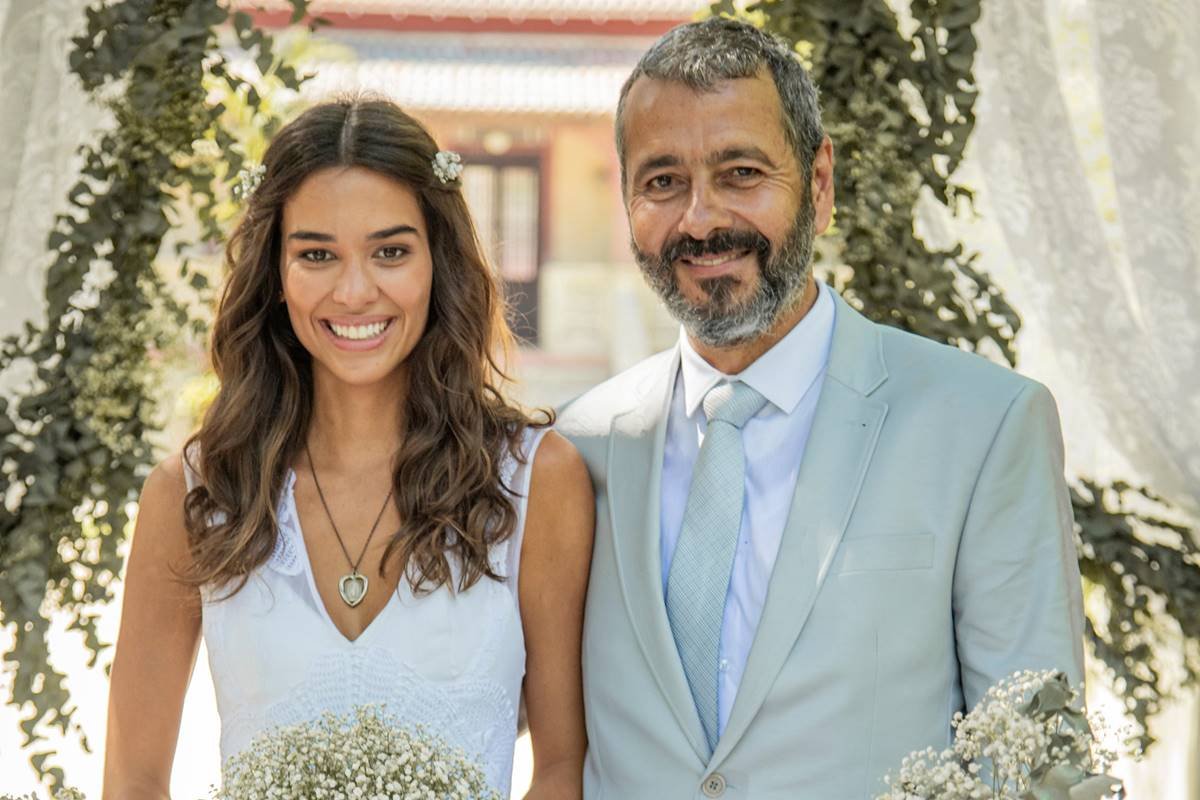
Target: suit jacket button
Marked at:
714, 785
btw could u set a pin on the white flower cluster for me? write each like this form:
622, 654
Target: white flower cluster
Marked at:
364, 756
361, 756
248, 179
61, 794
447, 165
1026, 734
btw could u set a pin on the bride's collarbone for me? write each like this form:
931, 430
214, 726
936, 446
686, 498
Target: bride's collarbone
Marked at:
354, 509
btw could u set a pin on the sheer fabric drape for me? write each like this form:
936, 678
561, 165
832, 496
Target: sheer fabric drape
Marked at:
45, 117
1086, 159
1088, 149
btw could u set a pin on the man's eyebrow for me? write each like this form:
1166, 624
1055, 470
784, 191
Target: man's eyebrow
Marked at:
738, 153
314, 236
657, 162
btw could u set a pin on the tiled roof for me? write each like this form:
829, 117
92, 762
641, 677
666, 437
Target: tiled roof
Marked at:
505, 73
636, 10
451, 87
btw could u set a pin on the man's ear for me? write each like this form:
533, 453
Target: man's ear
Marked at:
821, 185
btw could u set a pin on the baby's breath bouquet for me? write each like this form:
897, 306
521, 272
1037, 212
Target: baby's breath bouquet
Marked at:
361, 756
1027, 739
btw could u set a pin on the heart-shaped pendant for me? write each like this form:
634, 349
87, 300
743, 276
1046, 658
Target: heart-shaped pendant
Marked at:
353, 588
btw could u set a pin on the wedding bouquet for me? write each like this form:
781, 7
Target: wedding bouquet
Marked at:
362, 756
1027, 739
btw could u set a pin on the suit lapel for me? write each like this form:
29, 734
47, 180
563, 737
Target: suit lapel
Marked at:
634, 485
845, 429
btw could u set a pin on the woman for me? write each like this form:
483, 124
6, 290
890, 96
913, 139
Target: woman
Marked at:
362, 517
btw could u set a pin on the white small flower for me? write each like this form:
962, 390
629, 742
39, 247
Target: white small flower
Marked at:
361, 756
248, 179
447, 165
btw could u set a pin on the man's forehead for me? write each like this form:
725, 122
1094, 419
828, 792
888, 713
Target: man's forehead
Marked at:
664, 117
647, 88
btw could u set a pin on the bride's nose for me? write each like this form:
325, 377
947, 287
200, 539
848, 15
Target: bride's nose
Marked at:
356, 287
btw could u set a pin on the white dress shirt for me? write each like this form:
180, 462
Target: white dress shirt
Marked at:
789, 376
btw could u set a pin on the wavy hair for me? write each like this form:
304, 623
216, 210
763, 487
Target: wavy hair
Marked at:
457, 426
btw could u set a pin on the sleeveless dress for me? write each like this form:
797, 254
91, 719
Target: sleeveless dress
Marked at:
452, 662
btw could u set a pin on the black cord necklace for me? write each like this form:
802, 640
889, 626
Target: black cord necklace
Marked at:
353, 585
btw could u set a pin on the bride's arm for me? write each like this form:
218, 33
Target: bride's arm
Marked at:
555, 559
156, 647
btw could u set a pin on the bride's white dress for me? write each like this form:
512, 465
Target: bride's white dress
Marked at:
452, 662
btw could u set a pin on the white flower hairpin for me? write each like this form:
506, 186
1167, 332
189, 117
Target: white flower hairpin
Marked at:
447, 165
248, 179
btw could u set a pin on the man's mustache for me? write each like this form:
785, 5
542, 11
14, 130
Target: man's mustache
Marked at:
720, 242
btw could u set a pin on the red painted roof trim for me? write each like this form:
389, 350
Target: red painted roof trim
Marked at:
420, 23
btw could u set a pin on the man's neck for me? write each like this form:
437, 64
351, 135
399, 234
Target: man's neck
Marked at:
732, 360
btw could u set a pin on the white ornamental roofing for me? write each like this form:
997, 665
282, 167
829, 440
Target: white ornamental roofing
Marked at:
634, 10
490, 73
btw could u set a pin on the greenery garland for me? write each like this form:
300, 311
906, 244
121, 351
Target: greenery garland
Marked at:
898, 106
76, 446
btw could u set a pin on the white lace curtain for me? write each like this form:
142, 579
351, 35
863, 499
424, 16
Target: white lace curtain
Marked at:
1086, 157
44, 116
1087, 150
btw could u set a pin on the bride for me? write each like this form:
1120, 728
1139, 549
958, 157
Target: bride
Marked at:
362, 517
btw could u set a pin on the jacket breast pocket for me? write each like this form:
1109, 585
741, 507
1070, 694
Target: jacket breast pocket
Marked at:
886, 553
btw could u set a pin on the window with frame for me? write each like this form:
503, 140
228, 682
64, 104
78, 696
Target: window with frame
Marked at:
504, 195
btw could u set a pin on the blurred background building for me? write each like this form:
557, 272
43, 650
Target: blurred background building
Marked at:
525, 91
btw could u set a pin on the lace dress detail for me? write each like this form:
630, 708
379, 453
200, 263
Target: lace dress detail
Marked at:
287, 556
451, 662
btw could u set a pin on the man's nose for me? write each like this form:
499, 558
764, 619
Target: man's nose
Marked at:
705, 213
356, 287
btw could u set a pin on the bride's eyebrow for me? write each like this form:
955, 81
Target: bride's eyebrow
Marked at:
395, 230
314, 236
311, 236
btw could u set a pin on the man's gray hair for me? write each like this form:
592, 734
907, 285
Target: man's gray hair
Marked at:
703, 54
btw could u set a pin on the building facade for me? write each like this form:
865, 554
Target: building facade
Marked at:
525, 91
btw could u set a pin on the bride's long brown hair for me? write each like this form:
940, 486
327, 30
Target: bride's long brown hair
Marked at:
456, 424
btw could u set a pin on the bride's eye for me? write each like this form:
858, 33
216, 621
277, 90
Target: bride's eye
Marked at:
316, 256
392, 252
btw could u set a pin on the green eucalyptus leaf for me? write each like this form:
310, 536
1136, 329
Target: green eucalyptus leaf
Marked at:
242, 23
263, 61
299, 10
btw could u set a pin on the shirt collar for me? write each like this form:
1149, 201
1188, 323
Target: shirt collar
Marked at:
783, 374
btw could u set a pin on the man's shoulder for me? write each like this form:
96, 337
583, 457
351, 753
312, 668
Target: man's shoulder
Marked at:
591, 413
917, 365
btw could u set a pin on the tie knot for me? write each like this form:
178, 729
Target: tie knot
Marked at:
734, 403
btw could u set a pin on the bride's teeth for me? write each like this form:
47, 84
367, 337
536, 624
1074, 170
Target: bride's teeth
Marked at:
358, 331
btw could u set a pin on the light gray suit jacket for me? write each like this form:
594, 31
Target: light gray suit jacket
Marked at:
928, 553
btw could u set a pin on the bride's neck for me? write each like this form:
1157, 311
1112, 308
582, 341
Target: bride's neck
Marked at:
355, 427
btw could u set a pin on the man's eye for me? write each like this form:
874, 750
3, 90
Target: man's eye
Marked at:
316, 256
661, 182
744, 172
392, 252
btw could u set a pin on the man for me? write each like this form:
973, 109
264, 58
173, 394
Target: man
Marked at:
817, 538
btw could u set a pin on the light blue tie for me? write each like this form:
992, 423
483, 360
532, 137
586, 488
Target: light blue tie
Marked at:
703, 559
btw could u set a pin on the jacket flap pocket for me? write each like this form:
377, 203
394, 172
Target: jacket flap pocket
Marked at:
887, 553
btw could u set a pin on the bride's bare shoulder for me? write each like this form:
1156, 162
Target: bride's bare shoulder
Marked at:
163, 493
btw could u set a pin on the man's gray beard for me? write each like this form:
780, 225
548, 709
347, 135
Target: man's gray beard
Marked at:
721, 321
